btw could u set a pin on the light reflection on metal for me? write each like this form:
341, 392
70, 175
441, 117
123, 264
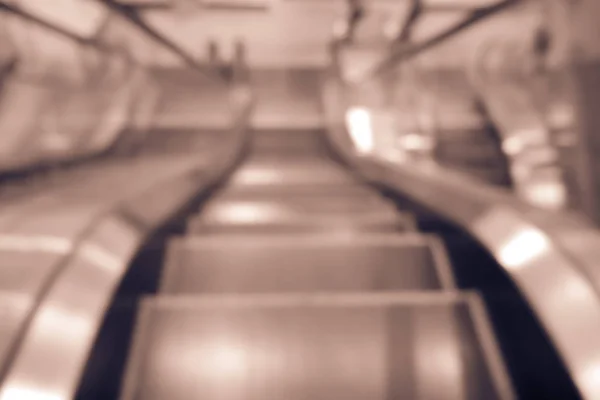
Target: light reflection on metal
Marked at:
245, 213
591, 376
523, 247
557, 275
550, 195
393, 155
416, 142
503, 71
70, 314
101, 257
225, 360
513, 145
359, 123
257, 175
438, 357
64, 324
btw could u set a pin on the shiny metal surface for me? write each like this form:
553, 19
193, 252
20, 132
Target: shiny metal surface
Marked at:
521, 111
289, 245
354, 346
37, 250
38, 236
289, 263
555, 272
65, 325
98, 249
311, 199
281, 142
281, 217
287, 191
292, 172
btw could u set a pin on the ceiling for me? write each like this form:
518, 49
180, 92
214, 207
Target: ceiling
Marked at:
279, 33
296, 32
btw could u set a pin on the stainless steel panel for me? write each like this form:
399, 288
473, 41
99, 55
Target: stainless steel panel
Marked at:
314, 347
268, 263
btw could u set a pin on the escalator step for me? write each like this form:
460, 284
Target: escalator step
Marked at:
289, 173
265, 263
349, 198
301, 204
294, 141
296, 347
288, 221
287, 190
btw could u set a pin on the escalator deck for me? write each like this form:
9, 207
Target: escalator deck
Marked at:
299, 281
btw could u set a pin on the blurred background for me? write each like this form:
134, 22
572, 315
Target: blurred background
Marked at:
234, 199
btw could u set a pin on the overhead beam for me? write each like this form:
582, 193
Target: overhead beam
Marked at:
407, 52
134, 17
17, 11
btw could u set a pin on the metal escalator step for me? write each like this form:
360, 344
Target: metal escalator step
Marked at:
345, 196
299, 204
300, 173
289, 263
289, 190
299, 214
279, 220
324, 346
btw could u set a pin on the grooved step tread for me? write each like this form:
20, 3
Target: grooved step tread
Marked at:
323, 346
288, 263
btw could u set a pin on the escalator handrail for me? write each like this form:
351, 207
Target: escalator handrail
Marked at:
551, 257
83, 290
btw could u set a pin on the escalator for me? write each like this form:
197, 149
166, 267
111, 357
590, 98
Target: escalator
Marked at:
294, 278
297, 280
